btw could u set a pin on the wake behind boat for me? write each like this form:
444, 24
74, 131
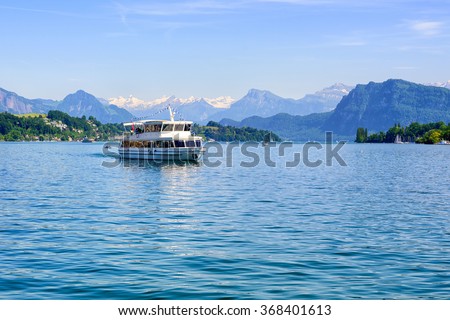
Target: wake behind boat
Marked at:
161, 140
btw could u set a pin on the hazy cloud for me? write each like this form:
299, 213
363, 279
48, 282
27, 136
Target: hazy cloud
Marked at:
427, 28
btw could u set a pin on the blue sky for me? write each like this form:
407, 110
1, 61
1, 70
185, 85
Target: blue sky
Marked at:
208, 48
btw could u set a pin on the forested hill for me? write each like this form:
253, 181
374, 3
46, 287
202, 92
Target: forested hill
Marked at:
376, 106
55, 126
59, 126
218, 132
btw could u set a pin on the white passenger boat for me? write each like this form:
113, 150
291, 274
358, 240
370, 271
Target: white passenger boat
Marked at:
161, 140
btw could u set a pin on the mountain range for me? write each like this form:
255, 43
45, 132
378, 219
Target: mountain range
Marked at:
264, 103
81, 103
339, 108
196, 109
256, 102
200, 110
77, 104
13, 103
440, 84
375, 106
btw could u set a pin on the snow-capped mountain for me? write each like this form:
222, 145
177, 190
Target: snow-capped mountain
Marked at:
440, 84
128, 103
192, 108
264, 103
222, 102
323, 100
257, 102
134, 103
328, 98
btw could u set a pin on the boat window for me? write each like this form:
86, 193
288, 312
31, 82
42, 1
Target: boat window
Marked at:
139, 128
198, 143
190, 143
148, 128
179, 127
166, 144
155, 128
179, 143
167, 127
187, 127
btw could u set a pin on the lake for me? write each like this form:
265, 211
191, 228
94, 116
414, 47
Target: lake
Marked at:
377, 228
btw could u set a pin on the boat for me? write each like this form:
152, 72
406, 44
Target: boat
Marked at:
87, 140
398, 139
267, 139
161, 140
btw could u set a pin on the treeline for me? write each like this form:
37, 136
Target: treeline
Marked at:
429, 133
56, 125
216, 131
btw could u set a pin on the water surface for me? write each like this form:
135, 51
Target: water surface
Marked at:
378, 228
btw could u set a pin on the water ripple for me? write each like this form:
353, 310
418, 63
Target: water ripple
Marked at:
73, 229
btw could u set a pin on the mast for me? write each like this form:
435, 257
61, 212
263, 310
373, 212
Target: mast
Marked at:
172, 114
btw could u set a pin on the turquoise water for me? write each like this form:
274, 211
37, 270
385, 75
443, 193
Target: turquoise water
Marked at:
378, 228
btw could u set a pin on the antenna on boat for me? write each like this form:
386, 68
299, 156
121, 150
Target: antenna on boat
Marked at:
172, 113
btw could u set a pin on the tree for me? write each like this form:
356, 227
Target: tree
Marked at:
361, 135
14, 135
393, 132
432, 136
446, 134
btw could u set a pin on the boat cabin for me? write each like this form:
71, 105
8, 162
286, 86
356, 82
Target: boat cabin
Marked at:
160, 134
157, 126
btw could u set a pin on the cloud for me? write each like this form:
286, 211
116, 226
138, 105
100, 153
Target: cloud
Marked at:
427, 28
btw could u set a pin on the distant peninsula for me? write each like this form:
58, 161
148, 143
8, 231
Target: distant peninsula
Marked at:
430, 133
217, 132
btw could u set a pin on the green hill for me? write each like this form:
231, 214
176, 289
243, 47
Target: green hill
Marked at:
56, 126
376, 106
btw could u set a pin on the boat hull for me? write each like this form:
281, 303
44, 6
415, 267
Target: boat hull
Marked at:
160, 154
